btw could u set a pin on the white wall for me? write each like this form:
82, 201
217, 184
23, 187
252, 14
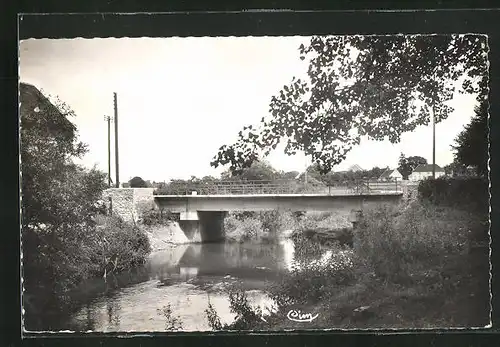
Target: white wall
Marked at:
418, 176
396, 174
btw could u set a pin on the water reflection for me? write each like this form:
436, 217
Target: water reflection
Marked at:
220, 259
184, 277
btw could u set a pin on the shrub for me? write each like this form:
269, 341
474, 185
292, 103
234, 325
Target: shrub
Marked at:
467, 192
310, 282
398, 246
171, 322
328, 220
213, 318
247, 317
120, 246
137, 182
271, 220
242, 230
314, 272
158, 217
262, 226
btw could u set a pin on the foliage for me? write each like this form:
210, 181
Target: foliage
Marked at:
310, 278
403, 246
171, 322
120, 246
455, 169
61, 243
213, 318
241, 230
258, 171
137, 182
59, 200
258, 226
247, 317
290, 175
374, 86
153, 216
48, 142
405, 264
275, 221
314, 173
336, 178
471, 148
466, 193
407, 165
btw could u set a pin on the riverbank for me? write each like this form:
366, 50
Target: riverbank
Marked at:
272, 226
416, 268
110, 249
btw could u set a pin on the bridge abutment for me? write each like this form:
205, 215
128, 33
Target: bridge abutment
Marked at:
203, 226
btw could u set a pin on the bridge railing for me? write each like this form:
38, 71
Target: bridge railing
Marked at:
361, 187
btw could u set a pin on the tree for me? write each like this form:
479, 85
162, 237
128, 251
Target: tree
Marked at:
455, 168
258, 171
59, 200
471, 144
407, 165
290, 175
373, 86
314, 172
137, 182
374, 173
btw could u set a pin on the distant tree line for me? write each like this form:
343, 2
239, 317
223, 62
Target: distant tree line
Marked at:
263, 171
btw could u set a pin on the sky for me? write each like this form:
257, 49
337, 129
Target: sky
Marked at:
180, 99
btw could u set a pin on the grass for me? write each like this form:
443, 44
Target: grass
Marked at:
411, 268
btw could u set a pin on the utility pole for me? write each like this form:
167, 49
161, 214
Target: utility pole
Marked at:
305, 171
116, 141
108, 120
433, 143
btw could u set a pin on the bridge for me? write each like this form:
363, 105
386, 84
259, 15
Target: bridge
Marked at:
202, 206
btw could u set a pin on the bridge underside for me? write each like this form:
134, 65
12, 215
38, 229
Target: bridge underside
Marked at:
202, 216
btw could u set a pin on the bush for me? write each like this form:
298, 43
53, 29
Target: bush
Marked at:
467, 192
271, 220
400, 246
121, 246
158, 217
137, 182
260, 226
314, 272
242, 230
314, 220
171, 322
247, 317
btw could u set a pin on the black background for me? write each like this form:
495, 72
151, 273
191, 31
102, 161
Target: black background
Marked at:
213, 23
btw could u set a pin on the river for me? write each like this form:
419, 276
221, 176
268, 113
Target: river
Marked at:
185, 278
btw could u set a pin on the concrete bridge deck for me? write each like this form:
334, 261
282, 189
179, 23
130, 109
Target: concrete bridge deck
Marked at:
202, 216
186, 204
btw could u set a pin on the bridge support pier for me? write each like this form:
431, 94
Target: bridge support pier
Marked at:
203, 226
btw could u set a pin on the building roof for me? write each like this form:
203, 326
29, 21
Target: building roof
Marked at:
427, 168
388, 172
33, 102
355, 168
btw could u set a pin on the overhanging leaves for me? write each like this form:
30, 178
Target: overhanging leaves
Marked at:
374, 86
